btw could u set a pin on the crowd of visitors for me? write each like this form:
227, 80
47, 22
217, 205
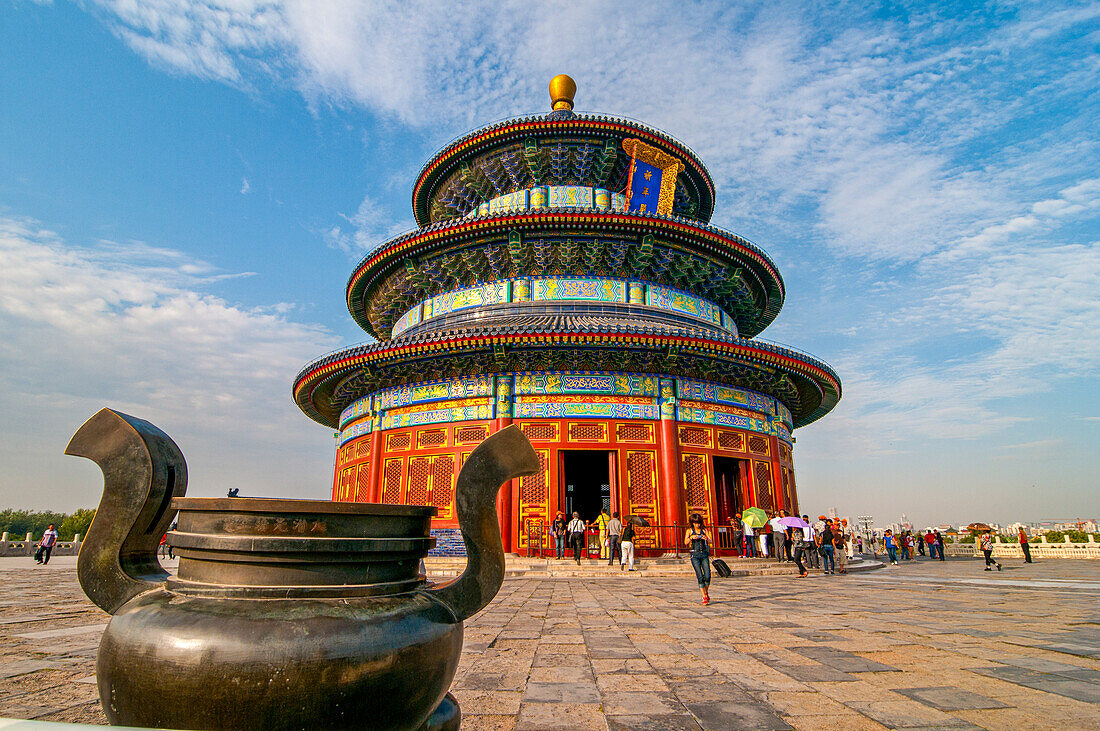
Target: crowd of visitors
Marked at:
825, 543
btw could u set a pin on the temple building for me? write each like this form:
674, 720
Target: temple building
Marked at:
564, 277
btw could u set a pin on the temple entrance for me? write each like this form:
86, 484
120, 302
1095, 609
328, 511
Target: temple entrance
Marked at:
586, 482
727, 488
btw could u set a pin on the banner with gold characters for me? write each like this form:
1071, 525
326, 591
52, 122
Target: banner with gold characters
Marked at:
651, 181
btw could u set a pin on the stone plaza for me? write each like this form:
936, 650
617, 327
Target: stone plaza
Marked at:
921, 645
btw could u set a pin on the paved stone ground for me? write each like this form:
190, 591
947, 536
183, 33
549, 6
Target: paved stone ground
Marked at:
922, 645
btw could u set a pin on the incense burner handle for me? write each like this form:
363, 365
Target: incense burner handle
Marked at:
504, 455
143, 470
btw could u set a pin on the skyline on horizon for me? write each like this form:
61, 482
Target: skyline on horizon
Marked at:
185, 188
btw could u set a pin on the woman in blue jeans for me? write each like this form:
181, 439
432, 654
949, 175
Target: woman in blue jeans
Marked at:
891, 547
698, 540
559, 531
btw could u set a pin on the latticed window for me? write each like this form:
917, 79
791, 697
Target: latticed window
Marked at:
532, 489
443, 489
758, 444
362, 483
695, 481
471, 434
639, 468
543, 432
399, 441
762, 471
785, 452
732, 440
391, 482
587, 432
694, 436
420, 470
433, 438
347, 477
362, 449
634, 433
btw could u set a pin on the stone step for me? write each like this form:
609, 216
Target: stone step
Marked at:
517, 566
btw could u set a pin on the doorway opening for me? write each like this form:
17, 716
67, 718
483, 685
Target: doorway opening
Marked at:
727, 487
586, 481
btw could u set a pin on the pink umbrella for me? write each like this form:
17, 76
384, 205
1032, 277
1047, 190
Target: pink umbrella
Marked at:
793, 521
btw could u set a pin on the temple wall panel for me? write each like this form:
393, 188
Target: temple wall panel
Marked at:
419, 457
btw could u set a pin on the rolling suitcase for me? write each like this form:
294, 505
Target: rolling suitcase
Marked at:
721, 568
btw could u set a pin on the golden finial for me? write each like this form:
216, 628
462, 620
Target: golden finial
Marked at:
562, 89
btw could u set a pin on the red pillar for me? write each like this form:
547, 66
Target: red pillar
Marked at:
671, 507
374, 492
504, 496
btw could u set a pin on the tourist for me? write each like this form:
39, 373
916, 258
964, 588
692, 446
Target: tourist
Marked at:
903, 544
614, 536
809, 545
49, 540
164, 545
840, 548
825, 545
737, 538
799, 536
930, 539
920, 545
986, 542
601, 522
850, 537
940, 545
891, 546
627, 545
1023, 545
577, 528
171, 555
559, 529
698, 540
762, 541
750, 538
788, 540
779, 536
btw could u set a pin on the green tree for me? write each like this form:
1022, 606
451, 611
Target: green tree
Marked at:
21, 522
78, 522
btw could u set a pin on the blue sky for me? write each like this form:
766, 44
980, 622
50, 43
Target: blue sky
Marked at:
185, 187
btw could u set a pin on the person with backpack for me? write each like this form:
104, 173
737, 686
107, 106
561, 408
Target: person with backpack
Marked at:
799, 548
698, 540
825, 545
891, 547
49, 540
986, 542
809, 545
750, 539
614, 538
840, 548
577, 528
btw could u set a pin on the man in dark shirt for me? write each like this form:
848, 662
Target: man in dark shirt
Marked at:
825, 543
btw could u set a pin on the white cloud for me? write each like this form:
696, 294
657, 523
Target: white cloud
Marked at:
865, 120
368, 228
129, 326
